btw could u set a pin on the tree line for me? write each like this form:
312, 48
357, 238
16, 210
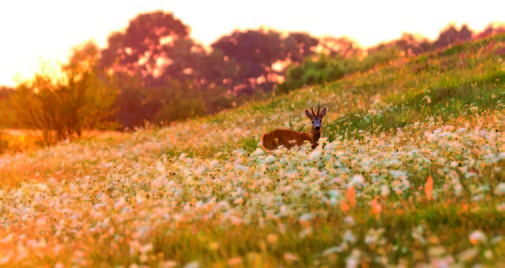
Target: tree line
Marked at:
153, 71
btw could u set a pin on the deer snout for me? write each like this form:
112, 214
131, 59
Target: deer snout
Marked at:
317, 128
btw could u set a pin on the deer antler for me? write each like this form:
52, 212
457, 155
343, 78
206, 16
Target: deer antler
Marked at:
313, 111
318, 107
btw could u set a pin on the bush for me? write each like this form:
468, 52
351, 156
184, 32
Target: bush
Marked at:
4, 142
63, 108
325, 69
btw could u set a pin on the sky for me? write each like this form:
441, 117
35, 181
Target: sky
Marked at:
43, 31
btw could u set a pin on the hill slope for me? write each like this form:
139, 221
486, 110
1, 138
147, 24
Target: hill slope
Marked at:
411, 172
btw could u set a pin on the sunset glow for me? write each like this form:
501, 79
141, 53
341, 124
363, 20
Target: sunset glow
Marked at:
35, 31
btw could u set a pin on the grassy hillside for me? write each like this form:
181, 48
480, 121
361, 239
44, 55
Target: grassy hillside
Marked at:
410, 172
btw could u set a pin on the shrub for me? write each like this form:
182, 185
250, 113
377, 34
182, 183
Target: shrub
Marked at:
4, 143
63, 108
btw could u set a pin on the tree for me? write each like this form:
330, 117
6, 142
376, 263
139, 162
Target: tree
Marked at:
341, 46
298, 46
216, 69
7, 119
63, 108
136, 101
451, 36
83, 72
406, 45
155, 46
147, 59
5, 92
490, 30
255, 51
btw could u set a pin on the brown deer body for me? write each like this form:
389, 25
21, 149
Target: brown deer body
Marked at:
289, 138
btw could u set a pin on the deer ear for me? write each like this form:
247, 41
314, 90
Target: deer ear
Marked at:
308, 114
323, 112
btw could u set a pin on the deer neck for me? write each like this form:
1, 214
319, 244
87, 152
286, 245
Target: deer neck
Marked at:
315, 137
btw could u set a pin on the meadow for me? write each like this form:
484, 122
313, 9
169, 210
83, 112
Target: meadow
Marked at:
410, 173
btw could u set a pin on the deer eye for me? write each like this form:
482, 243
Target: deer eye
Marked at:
312, 122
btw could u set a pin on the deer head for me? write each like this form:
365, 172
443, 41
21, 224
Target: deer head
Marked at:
316, 118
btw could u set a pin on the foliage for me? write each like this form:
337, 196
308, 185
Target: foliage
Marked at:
451, 36
150, 38
155, 51
63, 108
154, 58
4, 142
183, 102
255, 52
7, 119
325, 69
348, 59
156, 66
170, 102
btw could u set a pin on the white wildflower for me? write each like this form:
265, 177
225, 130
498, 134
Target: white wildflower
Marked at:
468, 254
307, 217
314, 155
269, 159
477, 236
384, 190
349, 220
349, 236
398, 174
161, 168
193, 264
120, 203
500, 189
290, 257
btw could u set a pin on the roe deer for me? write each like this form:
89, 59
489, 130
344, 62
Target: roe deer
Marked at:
289, 138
